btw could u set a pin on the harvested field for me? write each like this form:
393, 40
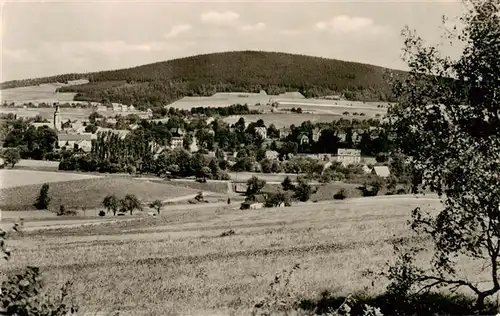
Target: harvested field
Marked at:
179, 264
41, 93
284, 119
66, 113
16, 178
89, 193
219, 187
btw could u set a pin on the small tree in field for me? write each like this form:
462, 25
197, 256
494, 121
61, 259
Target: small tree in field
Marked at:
129, 203
287, 184
157, 205
43, 200
111, 203
448, 123
303, 190
254, 186
12, 156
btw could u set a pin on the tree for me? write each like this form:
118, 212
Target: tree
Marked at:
447, 122
129, 203
12, 156
111, 203
157, 205
266, 165
205, 172
303, 190
287, 184
254, 186
25, 292
91, 128
276, 199
43, 200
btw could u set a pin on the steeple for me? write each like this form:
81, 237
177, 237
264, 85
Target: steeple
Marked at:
57, 119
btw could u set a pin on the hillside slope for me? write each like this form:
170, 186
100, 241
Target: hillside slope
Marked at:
246, 71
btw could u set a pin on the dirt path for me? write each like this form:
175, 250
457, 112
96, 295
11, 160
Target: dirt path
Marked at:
186, 197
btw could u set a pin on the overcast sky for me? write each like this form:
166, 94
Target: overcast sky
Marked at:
48, 38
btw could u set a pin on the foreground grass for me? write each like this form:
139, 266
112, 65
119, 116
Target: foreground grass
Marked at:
179, 264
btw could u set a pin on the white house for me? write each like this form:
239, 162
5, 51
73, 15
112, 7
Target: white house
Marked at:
83, 144
194, 145
271, 155
69, 140
303, 139
381, 171
316, 134
177, 142
348, 156
261, 131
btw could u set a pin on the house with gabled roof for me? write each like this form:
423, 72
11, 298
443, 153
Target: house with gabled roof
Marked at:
381, 171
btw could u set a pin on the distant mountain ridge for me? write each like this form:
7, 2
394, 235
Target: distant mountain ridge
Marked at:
243, 71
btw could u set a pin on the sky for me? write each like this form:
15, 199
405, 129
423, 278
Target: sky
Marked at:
55, 37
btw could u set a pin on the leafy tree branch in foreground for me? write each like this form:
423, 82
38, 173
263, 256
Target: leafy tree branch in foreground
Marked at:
448, 123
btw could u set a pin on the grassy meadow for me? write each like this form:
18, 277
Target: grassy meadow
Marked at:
178, 264
40, 93
87, 193
15, 178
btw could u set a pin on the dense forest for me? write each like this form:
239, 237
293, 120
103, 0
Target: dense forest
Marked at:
246, 71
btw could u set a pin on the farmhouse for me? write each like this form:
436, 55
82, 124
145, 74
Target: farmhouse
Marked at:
381, 171
348, 156
256, 204
70, 140
83, 144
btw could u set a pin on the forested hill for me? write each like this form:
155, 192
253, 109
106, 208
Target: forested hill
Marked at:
243, 71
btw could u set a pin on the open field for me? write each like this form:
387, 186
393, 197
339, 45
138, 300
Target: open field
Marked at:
88, 193
213, 186
66, 113
15, 178
284, 119
179, 264
41, 93
268, 177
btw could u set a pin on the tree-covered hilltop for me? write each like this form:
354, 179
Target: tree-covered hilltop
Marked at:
245, 71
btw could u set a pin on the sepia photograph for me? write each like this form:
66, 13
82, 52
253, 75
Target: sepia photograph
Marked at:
260, 158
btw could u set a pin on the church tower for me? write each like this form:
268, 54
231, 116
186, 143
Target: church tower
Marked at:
57, 119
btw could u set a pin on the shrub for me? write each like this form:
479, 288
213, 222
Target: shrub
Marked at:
303, 190
276, 199
370, 189
287, 184
227, 233
43, 200
199, 197
64, 212
325, 178
340, 195
102, 213
401, 191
